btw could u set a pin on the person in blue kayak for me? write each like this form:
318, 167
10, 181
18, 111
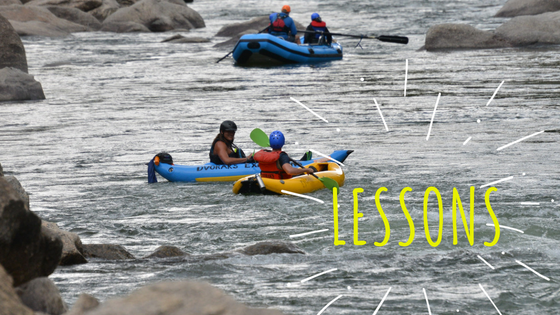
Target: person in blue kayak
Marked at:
317, 25
223, 151
282, 25
275, 164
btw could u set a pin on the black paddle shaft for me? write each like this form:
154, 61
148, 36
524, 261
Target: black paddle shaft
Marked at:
383, 38
299, 164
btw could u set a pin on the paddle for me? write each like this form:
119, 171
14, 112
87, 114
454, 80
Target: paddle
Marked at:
229, 53
383, 38
259, 137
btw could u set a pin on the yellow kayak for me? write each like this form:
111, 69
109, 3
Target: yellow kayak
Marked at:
300, 184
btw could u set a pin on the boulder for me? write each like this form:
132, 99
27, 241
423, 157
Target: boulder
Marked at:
84, 303
461, 36
18, 85
84, 5
26, 250
158, 16
35, 20
9, 2
1, 171
258, 23
72, 251
9, 300
12, 52
76, 16
123, 27
178, 297
16, 185
106, 251
42, 295
167, 251
514, 8
272, 247
107, 8
180, 39
233, 40
539, 29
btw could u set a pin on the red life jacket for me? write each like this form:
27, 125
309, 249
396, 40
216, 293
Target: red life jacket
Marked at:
268, 163
279, 26
319, 27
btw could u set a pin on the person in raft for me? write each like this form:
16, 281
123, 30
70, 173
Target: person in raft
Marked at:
223, 151
317, 25
275, 164
282, 25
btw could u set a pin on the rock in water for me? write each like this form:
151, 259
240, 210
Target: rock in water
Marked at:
167, 251
272, 247
12, 52
514, 8
16, 85
106, 251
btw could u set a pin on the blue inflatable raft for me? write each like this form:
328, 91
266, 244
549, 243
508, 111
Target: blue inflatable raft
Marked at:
266, 49
211, 172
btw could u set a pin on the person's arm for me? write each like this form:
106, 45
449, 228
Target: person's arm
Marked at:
329, 37
288, 168
293, 28
220, 149
307, 36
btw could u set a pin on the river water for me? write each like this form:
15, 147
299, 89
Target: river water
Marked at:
115, 100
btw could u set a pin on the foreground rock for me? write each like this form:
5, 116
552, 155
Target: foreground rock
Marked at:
514, 8
16, 85
84, 303
106, 251
9, 300
72, 250
184, 297
42, 295
180, 39
520, 31
26, 250
12, 52
34, 20
157, 16
83, 5
20, 191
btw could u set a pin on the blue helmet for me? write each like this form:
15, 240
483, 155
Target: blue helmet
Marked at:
315, 16
276, 140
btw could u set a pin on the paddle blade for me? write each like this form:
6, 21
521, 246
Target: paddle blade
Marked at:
393, 39
329, 183
259, 137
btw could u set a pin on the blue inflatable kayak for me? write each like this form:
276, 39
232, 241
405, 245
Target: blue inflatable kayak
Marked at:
211, 172
266, 49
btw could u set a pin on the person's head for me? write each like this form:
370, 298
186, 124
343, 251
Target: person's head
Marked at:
276, 140
315, 17
286, 9
228, 129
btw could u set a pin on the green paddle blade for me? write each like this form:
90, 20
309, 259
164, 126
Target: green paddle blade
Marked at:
259, 137
329, 183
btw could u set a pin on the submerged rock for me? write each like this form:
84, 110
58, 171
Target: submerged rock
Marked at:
16, 85
12, 52
514, 8
179, 297
42, 295
166, 252
272, 247
180, 39
106, 251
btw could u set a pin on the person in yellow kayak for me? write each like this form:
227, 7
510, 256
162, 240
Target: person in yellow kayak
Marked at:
223, 151
275, 164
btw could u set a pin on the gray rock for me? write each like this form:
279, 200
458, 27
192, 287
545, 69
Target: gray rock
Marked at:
180, 39
42, 295
1, 171
166, 252
107, 8
179, 297
542, 29
12, 52
84, 5
16, 185
106, 251
35, 20
158, 16
9, 2
258, 23
514, 8
76, 16
84, 303
72, 250
461, 36
233, 41
26, 250
272, 247
18, 85
123, 27
9, 300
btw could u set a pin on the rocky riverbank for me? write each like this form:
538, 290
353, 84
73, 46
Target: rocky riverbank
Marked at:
31, 249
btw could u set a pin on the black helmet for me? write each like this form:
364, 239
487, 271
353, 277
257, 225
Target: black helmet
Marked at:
228, 125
